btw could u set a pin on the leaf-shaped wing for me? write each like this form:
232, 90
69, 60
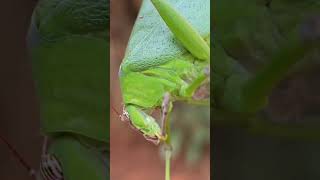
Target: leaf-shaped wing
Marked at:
151, 42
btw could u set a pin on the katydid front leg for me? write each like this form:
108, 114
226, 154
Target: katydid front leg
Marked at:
146, 124
166, 108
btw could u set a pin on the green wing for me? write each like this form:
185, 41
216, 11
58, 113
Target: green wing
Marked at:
151, 42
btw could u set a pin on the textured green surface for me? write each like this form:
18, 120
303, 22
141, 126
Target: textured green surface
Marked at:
152, 44
57, 18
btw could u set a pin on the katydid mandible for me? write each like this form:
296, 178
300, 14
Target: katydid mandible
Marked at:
167, 59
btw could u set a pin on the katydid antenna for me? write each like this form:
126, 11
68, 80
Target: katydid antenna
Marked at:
16, 154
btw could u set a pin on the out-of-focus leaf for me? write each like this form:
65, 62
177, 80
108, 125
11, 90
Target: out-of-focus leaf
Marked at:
77, 161
72, 85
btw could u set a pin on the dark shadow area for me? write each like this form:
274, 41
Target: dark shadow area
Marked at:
19, 120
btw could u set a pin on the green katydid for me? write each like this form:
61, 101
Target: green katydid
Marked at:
167, 59
69, 48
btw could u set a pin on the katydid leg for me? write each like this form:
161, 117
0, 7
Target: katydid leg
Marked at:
194, 85
183, 30
144, 123
165, 110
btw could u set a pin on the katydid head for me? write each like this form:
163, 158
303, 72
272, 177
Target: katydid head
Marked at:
143, 123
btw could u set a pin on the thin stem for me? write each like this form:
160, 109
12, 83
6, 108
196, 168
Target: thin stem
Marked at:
168, 150
168, 158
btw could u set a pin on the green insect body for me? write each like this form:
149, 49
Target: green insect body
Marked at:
165, 54
69, 48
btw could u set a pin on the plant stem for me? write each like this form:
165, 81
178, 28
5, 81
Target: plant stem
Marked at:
168, 149
168, 156
166, 111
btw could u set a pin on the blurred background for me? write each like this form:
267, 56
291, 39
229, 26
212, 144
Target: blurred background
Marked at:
255, 153
19, 114
132, 157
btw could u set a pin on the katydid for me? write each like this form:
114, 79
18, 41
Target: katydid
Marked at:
69, 48
167, 59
